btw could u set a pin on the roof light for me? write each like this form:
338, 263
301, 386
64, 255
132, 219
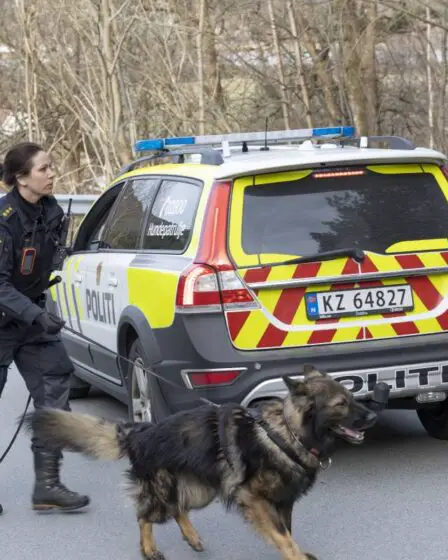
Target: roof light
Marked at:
271, 137
149, 145
334, 131
180, 141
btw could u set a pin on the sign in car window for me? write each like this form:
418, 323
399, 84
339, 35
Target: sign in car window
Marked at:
172, 216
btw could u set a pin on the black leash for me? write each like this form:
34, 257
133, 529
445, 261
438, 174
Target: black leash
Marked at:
14, 437
91, 341
146, 370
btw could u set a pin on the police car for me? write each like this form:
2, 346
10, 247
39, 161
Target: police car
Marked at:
221, 263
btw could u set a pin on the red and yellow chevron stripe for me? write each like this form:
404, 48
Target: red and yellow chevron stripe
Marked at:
282, 321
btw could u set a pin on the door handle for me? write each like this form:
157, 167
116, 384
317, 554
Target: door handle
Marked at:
112, 281
78, 278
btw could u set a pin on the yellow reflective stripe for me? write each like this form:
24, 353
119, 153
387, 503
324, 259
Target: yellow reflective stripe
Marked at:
417, 245
253, 330
345, 334
332, 267
269, 298
68, 285
154, 293
384, 330
440, 177
236, 223
281, 177
432, 260
427, 326
384, 263
78, 302
297, 338
300, 317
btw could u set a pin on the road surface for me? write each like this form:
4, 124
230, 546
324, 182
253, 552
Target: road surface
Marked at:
387, 499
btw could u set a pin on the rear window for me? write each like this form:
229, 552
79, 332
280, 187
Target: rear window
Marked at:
371, 212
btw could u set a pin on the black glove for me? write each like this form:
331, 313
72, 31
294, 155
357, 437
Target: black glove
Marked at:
49, 322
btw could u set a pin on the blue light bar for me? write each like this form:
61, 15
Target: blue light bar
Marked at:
180, 141
238, 137
346, 131
149, 145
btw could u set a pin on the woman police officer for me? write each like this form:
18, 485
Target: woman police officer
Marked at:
30, 225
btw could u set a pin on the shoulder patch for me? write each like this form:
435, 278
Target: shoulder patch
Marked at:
7, 211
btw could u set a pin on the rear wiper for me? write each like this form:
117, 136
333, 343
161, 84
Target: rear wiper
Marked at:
356, 254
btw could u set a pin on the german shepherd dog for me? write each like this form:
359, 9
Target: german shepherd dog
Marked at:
259, 461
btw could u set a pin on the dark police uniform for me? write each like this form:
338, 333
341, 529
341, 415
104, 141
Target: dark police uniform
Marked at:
29, 237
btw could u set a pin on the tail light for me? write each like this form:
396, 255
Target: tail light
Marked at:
209, 378
211, 281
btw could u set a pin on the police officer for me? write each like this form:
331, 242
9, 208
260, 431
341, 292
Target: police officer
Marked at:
30, 225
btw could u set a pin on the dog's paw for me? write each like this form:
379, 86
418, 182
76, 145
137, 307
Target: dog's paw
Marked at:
196, 544
155, 556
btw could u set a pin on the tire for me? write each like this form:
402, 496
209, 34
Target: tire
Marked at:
434, 419
79, 389
140, 402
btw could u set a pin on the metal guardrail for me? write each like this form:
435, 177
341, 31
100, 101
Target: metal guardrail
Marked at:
81, 203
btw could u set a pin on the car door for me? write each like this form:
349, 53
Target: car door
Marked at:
106, 288
70, 295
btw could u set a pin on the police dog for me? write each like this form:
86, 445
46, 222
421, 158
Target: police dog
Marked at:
258, 461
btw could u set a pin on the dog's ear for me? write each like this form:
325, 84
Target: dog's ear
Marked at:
295, 386
310, 372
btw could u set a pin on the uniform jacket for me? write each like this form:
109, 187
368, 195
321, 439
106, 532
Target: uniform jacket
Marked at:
24, 225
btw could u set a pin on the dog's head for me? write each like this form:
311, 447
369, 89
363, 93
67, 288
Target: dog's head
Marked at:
324, 409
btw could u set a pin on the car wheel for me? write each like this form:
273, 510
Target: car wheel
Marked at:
79, 389
434, 419
140, 401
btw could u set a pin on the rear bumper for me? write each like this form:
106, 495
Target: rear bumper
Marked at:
404, 380
409, 365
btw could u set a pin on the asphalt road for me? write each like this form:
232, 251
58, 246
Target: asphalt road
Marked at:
387, 499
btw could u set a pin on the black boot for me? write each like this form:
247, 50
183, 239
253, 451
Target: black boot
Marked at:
49, 493
1, 509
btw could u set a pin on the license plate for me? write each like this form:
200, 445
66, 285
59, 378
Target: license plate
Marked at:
358, 302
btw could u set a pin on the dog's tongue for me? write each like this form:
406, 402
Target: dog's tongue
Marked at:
352, 433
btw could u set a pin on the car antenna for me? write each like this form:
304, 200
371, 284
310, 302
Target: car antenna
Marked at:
265, 148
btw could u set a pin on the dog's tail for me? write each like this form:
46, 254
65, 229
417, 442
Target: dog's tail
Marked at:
80, 433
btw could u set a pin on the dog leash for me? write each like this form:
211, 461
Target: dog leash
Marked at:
102, 347
145, 369
14, 437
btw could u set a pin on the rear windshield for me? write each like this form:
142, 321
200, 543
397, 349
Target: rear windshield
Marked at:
371, 212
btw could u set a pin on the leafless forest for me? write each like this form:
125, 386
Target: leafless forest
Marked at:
86, 78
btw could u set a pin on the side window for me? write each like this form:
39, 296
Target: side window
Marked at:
124, 226
96, 237
172, 216
90, 232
